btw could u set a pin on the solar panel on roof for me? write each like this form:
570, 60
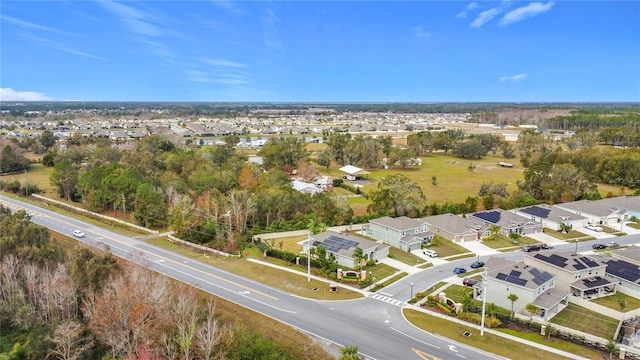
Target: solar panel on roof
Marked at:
557, 260
624, 270
538, 281
335, 244
589, 262
515, 280
501, 276
490, 216
537, 211
535, 272
578, 265
515, 273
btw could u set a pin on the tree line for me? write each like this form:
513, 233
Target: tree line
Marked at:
86, 305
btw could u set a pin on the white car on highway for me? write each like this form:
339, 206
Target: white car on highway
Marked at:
78, 233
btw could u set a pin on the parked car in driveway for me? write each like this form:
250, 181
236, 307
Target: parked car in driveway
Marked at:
78, 233
459, 270
477, 264
430, 253
593, 227
469, 282
599, 246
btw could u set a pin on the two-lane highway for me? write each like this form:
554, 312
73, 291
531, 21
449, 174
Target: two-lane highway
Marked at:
376, 326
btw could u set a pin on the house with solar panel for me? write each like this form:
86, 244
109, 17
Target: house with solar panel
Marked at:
456, 228
596, 212
624, 267
509, 222
581, 275
551, 217
530, 284
342, 246
402, 232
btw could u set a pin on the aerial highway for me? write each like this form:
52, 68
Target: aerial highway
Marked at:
376, 326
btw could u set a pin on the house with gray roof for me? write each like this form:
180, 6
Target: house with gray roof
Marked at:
401, 232
595, 211
509, 222
578, 274
628, 204
456, 228
551, 217
342, 246
530, 284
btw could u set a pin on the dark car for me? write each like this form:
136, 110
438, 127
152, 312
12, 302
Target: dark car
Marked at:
599, 246
532, 247
459, 270
477, 264
469, 282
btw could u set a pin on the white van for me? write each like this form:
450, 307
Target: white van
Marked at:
430, 253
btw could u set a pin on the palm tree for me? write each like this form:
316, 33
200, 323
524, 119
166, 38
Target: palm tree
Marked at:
531, 309
358, 254
513, 298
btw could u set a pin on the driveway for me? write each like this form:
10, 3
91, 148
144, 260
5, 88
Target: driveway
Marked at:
478, 248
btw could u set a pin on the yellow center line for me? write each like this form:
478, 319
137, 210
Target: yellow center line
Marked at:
424, 355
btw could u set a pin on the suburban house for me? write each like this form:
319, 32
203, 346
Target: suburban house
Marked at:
305, 187
456, 228
352, 172
509, 222
577, 274
625, 204
401, 232
596, 212
530, 284
624, 267
342, 246
552, 217
323, 182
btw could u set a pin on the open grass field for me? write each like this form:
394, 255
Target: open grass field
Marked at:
38, 175
493, 343
613, 302
585, 320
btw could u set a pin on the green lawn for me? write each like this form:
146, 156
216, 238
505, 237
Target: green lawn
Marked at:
570, 236
500, 242
446, 248
405, 257
493, 343
458, 292
585, 320
613, 302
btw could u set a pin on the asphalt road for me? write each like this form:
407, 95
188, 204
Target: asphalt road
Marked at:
375, 325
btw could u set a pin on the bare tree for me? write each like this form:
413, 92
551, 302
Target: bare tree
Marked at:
69, 340
208, 334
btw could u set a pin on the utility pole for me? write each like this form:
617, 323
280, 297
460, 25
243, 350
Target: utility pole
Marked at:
25, 183
124, 208
308, 255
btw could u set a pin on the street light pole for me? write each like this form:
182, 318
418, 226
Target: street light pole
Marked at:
411, 291
308, 256
484, 299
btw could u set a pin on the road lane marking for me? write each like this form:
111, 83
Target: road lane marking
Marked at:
172, 261
424, 355
413, 338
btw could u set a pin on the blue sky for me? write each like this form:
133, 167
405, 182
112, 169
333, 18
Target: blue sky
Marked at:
320, 51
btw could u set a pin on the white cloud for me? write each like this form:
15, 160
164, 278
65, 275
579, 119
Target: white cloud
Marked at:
60, 46
420, 33
29, 25
513, 78
224, 63
525, 12
485, 17
8, 94
134, 19
463, 14
229, 6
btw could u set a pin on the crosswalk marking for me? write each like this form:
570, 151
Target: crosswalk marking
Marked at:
387, 300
